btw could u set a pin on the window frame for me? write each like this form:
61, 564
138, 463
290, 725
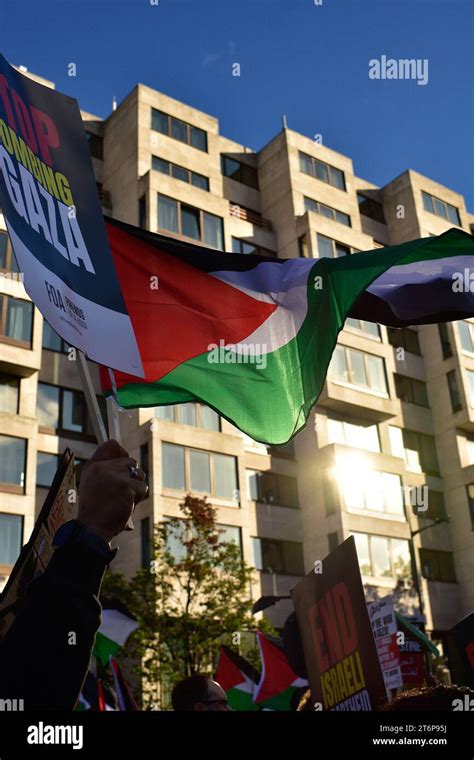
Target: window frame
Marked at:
66, 432
424, 554
334, 212
190, 172
404, 333
279, 545
15, 487
198, 412
393, 576
5, 569
201, 213
446, 205
261, 498
243, 169
212, 476
189, 128
411, 383
362, 388
4, 300
17, 379
9, 256
315, 162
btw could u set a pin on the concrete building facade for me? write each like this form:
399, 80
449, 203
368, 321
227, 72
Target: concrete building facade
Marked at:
388, 452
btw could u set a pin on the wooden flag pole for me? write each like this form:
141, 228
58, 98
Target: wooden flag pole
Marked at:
94, 410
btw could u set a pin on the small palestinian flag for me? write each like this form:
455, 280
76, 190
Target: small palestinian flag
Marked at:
238, 678
252, 336
116, 626
95, 696
278, 683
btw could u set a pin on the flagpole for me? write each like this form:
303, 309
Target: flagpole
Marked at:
94, 410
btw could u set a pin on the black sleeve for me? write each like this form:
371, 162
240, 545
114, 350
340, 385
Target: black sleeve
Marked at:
45, 654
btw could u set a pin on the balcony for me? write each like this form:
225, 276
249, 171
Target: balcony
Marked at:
350, 400
247, 215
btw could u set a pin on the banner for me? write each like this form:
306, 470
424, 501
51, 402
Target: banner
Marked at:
57, 509
54, 219
412, 657
341, 657
384, 626
461, 651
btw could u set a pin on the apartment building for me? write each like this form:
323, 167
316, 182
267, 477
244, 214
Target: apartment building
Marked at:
388, 452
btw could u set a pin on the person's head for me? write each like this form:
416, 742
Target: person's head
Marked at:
199, 693
428, 698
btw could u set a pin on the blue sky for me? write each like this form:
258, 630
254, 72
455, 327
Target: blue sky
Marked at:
305, 60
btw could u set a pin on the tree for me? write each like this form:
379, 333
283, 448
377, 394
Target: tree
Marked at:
194, 595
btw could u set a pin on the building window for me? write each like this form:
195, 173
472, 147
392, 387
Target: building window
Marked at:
46, 466
52, 341
320, 170
410, 390
283, 557
239, 171
9, 393
420, 452
437, 565
200, 471
361, 325
331, 249
466, 333
383, 557
16, 321
374, 492
196, 415
271, 488
145, 542
243, 246
436, 507
470, 498
179, 130
230, 534
142, 212
404, 338
455, 396
64, 409
96, 145
7, 257
371, 208
440, 208
359, 369
351, 434
11, 538
470, 386
444, 338
179, 172
175, 216
333, 541
327, 211
12, 463
145, 460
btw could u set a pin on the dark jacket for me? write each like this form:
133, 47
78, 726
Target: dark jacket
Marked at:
45, 654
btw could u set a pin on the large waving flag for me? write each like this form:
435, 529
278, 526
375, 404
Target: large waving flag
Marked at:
278, 682
238, 678
252, 336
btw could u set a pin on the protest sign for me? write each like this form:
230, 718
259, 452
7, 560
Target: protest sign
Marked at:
384, 626
341, 657
59, 507
54, 219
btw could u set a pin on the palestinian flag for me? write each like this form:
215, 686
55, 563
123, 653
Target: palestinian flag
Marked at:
252, 336
238, 678
116, 626
125, 697
95, 696
278, 682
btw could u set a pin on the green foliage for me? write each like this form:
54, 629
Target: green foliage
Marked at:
188, 602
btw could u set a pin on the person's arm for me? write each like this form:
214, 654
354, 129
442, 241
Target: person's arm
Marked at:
45, 655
